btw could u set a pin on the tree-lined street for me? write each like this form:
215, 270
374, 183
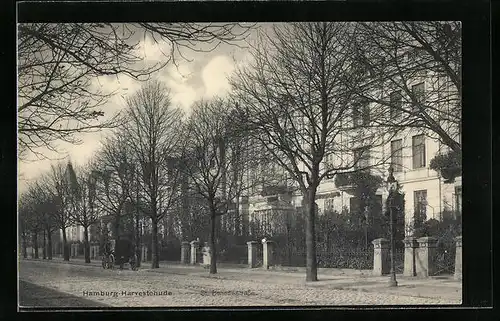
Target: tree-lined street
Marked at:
291, 154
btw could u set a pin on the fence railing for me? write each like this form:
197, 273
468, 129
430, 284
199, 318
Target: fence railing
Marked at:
444, 259
335, 257
399, 257
346, 258
237, 254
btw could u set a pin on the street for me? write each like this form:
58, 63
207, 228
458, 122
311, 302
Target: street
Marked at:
185, 286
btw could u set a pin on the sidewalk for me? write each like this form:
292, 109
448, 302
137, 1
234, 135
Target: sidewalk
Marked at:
340, 279
442, 287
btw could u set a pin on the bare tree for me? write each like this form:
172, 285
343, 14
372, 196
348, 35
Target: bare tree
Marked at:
84, 210
136, 207
245, 156
57, 184
48, 223
413, 76
45, 204
58, 63
298, 101
29, 222
153, 135
112, 172
192, 214
23, 218
211, 141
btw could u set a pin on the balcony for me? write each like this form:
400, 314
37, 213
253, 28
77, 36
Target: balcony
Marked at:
343, 182
275, 190
415, 174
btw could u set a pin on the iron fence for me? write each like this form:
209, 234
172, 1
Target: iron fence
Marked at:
399, 257
287, 255
360, 258
171, 252
444, 258
237, 254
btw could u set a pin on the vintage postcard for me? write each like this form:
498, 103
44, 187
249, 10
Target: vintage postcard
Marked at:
233, 164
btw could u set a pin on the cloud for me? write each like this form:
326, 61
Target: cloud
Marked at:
78, 154
203, 77
215, 75
151, 50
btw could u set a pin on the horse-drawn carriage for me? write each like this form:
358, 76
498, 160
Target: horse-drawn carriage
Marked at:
121, 253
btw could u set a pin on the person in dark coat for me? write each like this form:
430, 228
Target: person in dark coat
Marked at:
124, 251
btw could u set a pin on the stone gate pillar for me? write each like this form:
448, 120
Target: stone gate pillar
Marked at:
267, 253
185, 252
411, 246
458, 258
194, 252
252, 253
144, 253
424, 260
381, 259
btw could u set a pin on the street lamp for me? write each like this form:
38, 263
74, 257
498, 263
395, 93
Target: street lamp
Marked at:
392, 186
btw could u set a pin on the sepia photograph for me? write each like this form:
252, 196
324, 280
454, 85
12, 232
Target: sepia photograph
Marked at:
239, 164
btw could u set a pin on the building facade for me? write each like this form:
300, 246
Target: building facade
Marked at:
407, 149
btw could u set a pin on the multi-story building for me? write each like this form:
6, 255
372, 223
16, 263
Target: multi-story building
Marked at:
407, 149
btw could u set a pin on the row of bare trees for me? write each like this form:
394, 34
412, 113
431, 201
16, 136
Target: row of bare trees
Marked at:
148, 167
297, 102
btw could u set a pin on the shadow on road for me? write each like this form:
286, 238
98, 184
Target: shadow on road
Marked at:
35, 296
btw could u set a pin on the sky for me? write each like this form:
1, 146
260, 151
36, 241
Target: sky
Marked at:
201, 76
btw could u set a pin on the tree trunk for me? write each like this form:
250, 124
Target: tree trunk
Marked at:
154, 246
49, 244
65, 246
86, 244
24, 245
237, 218
44, 250
138, 240
117, 228
35, 243
310, 207
213, 256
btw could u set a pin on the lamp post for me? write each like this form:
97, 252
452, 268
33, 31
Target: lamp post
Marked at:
366, 213
392, 186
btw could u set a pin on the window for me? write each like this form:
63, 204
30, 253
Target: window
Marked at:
396, 103
397, 155
327, 160
362, 158
418, 94
377, 205
361, 114
356, 116
366, 113
354, 205
418, 149
329, 204
420, 206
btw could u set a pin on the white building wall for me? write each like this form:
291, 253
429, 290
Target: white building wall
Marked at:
440, 196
